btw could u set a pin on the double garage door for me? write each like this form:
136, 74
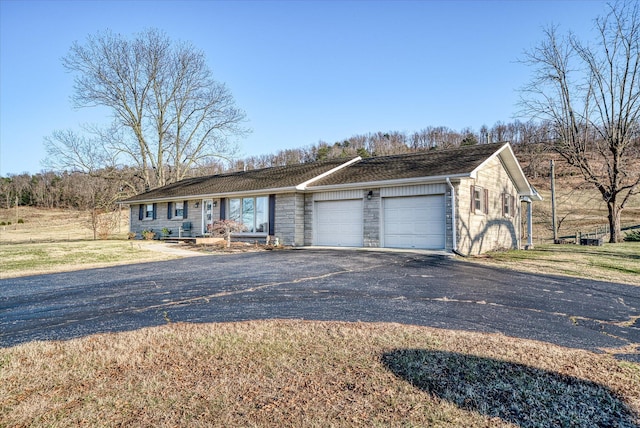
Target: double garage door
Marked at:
407, 222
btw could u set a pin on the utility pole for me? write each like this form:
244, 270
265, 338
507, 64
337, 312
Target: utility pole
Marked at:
554, 221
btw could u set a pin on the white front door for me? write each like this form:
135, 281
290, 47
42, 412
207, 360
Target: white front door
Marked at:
207, 215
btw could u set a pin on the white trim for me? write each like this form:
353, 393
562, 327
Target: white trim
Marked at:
258, 192
310, 189
413, 190
474, 173
386, 183
303, 186
338, 195
509, 163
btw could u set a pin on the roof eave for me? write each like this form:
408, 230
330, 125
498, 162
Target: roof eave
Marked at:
510, 161
257, 192
387, 183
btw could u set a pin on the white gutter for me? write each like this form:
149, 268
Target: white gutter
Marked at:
386, 183
258, 192
253, 192
453, 215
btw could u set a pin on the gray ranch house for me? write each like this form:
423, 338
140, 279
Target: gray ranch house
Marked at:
466, 200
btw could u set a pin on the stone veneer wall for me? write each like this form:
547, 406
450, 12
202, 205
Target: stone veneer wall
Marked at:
371, 218
308, 219
290, 219
479, 232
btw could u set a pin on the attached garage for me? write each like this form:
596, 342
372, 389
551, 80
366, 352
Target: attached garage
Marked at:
414, 222
339, 223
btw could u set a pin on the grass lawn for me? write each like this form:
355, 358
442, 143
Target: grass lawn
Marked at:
312, 374
610, 262
22, 259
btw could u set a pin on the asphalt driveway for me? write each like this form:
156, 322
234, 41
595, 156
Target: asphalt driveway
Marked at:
409, 288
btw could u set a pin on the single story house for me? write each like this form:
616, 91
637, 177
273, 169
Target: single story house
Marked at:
466, 200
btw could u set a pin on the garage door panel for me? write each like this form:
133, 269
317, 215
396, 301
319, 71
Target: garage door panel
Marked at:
339, 223
414, 222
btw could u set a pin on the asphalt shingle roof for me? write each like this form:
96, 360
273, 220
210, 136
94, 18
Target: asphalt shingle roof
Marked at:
242, 181
433, 163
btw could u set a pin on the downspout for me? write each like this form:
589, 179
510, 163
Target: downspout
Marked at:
453, 216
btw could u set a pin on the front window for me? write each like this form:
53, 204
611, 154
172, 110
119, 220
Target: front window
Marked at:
149, 212
178, 210
252, 212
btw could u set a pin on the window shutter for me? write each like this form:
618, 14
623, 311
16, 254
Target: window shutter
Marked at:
155, 211
141, 212
272, 215
223, 208
169, 210
505, 200
513, 206
473, 198
486, 201
184, 209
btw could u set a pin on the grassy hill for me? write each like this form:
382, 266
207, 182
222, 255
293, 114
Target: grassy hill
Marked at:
580, 207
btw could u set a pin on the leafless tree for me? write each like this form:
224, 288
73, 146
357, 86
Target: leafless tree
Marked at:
590, 94
169, 113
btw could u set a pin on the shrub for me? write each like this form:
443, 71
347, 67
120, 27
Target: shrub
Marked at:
633, 236
20, 221
148, 234
226, 228
2, 223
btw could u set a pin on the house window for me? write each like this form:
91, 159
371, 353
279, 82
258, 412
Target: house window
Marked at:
178, 211
149, 212
252, 212
479, 200
508, 207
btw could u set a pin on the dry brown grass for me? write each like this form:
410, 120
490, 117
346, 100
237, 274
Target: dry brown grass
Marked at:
579, 205
315, 374
294, 373
42, 257
53, 240
51, 225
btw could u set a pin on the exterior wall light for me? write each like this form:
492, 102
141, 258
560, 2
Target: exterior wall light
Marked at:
370, 195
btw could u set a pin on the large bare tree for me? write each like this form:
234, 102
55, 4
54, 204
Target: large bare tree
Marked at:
590, 94
169, 113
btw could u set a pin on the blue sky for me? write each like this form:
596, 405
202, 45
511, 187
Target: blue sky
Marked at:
303, 71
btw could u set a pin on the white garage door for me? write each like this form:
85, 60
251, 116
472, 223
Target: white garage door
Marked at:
414, 222
339, 223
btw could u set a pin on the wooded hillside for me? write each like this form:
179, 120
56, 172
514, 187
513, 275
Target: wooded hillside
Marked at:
580, 208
